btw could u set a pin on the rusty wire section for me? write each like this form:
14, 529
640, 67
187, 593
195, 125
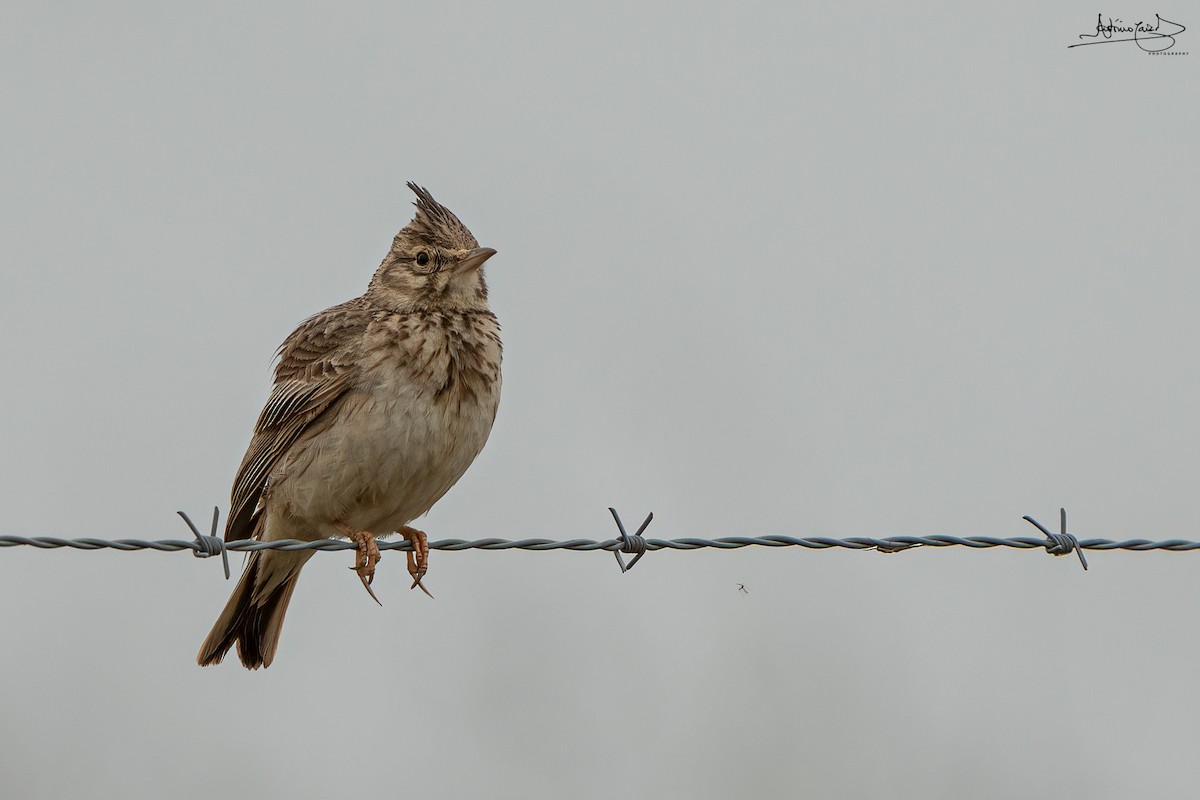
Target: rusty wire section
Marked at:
203, 546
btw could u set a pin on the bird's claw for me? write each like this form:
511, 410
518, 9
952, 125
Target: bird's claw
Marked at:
418, 557
367, 579
416, 568
365, 558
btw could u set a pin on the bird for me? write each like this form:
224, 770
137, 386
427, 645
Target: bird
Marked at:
379, 406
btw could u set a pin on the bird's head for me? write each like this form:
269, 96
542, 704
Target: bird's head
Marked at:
434, 264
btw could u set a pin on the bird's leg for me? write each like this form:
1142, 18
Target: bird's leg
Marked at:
418, 557
366, 558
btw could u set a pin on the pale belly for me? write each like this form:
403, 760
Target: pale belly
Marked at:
390, 454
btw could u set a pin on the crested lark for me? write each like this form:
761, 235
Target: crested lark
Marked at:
380, 404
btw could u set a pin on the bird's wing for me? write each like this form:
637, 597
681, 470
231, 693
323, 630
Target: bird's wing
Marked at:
318, 363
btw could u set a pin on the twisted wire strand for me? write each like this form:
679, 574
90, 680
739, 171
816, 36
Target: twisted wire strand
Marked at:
889, 544
1056, 544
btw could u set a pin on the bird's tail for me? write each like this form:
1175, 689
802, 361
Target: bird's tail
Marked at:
253, 617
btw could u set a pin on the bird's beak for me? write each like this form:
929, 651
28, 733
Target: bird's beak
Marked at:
474, 259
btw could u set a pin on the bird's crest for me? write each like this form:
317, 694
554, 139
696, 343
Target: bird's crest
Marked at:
438, 224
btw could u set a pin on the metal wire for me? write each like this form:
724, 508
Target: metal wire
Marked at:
204, 546
689, 543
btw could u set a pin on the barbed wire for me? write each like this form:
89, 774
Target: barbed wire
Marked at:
203, 546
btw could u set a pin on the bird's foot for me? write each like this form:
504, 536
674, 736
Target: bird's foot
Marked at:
418, 557
365, 558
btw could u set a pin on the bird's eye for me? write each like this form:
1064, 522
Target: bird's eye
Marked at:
422, 258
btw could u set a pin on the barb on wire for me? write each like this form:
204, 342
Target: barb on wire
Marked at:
209, 545
630, 544
1059, 544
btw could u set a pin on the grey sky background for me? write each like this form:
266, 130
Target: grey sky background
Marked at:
793, 268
